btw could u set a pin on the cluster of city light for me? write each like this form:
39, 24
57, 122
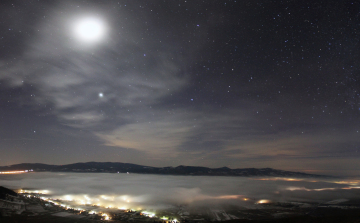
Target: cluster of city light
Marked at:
86, 201
167, 218
263, 202
13, 172
353, 182
33, 191
30, 193
106, 216
105, 201
148, 214
283, 179
321, 189
101, 201
68, 207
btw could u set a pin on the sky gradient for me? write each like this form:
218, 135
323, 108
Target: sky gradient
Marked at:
206, 83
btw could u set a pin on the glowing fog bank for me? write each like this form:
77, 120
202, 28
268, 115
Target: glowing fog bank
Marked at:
146, 192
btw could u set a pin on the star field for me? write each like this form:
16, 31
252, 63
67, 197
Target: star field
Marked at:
166, 83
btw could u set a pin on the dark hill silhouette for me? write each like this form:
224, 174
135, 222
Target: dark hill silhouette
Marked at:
115, 167
5, 191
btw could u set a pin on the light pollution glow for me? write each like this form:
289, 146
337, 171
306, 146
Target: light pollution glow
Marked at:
59, 202
320, 189
89, 205
157, 192
13, 172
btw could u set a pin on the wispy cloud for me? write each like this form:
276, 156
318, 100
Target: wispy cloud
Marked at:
100, 89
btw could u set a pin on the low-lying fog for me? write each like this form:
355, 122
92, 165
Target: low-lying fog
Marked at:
162, 191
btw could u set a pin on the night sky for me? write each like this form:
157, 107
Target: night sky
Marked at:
167, 83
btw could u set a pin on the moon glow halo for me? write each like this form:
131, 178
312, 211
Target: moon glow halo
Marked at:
89, 29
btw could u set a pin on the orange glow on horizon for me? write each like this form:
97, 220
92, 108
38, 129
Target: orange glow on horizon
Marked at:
280, 178
263, 202
13, 172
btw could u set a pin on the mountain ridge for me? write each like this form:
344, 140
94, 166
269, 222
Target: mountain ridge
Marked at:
118, 167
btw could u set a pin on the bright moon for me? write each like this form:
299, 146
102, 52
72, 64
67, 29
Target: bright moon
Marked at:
89, 29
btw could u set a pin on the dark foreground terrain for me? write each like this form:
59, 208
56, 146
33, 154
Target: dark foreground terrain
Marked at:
329, 216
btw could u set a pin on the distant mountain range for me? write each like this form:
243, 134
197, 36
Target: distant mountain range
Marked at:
110, 167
